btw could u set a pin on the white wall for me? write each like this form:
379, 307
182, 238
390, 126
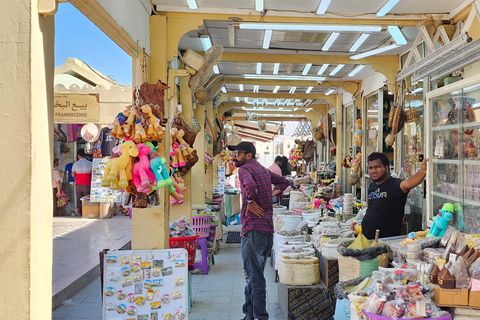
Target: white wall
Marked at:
347, 98
133, 16
373, 83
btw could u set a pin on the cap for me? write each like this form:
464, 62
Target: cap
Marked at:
245, 146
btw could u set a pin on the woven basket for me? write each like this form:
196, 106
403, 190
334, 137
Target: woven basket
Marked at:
410, 114
398, 120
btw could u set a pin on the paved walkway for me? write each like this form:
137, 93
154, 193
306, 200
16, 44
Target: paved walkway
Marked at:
76, 246
218, 295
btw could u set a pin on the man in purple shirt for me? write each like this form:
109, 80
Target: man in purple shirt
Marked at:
257, 224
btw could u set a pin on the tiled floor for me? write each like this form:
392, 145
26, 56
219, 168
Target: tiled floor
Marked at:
77, 243
218, 295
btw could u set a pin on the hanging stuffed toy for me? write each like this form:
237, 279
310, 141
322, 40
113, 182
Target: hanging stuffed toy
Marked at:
357, 137
143, 177
115, 169
356, 171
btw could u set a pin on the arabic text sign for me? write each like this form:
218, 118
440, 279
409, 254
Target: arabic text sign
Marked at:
76, 108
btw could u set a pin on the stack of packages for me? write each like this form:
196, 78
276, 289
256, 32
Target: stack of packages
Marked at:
391, 293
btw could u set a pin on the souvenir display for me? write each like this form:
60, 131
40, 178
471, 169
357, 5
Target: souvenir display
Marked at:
145, 284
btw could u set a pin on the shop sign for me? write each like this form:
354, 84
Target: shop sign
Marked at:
76, 108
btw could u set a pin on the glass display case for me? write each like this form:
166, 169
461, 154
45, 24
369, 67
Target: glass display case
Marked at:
347, 143
453, 174
413, 146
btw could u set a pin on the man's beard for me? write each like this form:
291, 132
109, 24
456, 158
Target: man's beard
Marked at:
238, 164
381, 178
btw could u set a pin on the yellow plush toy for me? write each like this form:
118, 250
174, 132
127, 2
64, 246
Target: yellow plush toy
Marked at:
154, 128
129, 124
357, 137
116, 167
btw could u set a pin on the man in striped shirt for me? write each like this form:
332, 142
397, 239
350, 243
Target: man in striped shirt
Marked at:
257, 224
82, 172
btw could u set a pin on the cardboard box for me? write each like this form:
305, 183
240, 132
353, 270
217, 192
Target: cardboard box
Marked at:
90, 210
305, 302
450, 297
474, 300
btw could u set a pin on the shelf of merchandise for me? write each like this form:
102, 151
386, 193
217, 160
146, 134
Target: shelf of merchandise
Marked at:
450, 91
448, 161
456, 199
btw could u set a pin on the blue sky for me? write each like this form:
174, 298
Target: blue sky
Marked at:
77, 37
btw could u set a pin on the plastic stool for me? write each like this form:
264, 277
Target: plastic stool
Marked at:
202, 242
201, 224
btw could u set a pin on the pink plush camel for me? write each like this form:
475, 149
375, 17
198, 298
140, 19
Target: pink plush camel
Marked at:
142, 175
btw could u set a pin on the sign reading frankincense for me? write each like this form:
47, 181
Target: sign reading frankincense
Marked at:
76, 108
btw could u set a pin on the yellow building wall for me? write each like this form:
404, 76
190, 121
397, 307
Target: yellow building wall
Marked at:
26, 103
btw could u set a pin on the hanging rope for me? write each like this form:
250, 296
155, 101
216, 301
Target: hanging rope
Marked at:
137, 79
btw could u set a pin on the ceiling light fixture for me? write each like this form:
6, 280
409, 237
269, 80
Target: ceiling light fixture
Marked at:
246, 100
309, 109
322, 69
359, 42
329, 92
259, 5
292, 90
192, 4
243, 107
373, 52
387, 7
322, 7
309, 89
215, 69
256, 88
307, 27
206, 42
282, 77
231, 36
337, 68
259, 68
397, 35
275, 90
306, 69
224, 90
267, 38
237, 99
276, 66
356, 70
295, 109
240, 86
333, 36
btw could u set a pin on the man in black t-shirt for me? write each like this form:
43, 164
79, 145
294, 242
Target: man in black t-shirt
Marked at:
387, 197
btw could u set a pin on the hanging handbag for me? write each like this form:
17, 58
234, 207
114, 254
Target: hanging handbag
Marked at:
63, 200
141, 200
309, 151
190, 134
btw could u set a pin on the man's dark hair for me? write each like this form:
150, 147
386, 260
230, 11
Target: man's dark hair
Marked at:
378, 155
279, 158
286, 169
81, 153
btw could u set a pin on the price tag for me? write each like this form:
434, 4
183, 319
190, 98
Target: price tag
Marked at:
421, 306
452, 257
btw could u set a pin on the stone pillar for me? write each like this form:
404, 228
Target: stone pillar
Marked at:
198, 170
26, 103
150, 227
